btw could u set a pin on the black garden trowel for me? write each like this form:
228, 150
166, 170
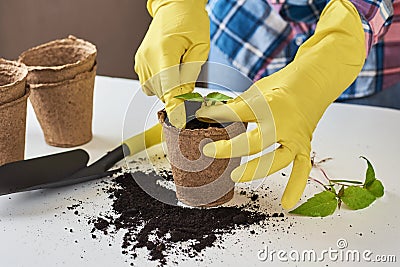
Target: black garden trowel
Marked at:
70, 167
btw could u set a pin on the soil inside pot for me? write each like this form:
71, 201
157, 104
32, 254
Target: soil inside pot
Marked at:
192, 122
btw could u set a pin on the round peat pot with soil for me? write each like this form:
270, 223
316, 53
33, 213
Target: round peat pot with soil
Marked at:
59, 60
200, 181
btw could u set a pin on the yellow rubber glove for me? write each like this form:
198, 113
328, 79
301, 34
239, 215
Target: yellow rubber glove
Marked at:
179, 33
288, 104
144, 140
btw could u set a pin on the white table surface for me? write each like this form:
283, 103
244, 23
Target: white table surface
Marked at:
33, 224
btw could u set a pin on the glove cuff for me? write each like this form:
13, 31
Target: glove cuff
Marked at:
154, 5
335, 54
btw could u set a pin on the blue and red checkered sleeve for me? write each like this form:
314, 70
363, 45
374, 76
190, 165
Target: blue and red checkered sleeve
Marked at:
376, 17
301, 10
249, 33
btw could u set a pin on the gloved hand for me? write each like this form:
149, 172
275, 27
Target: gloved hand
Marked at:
144, 140
179, 33
287, 105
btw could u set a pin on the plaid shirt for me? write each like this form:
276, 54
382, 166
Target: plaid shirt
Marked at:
259, 37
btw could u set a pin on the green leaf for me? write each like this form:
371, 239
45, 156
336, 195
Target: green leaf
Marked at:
357, 197
370, 174
196, 97
215, 96
376, 188
320, 205
373, 185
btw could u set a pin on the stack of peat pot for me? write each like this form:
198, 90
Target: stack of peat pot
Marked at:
61, 80
13, 100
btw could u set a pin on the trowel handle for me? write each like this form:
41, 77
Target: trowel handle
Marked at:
131, 146
140, 142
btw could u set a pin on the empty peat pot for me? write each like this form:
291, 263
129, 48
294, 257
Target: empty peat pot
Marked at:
65, 109
200, 181
13, 102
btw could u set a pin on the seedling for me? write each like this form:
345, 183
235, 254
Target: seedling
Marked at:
214, 97
354, 194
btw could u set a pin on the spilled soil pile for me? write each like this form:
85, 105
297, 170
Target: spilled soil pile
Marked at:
160, 227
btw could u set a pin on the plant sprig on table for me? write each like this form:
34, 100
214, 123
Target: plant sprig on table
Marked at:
354, 194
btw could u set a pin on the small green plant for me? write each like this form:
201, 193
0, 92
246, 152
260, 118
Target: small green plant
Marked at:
213, 97
354, 194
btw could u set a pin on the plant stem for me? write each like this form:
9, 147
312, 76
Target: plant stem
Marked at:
318, 182
324, 173
346, 181
324, 160
336, 183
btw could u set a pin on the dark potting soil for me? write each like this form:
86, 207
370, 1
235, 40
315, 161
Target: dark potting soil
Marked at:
160, 227
192, 122
196, 124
